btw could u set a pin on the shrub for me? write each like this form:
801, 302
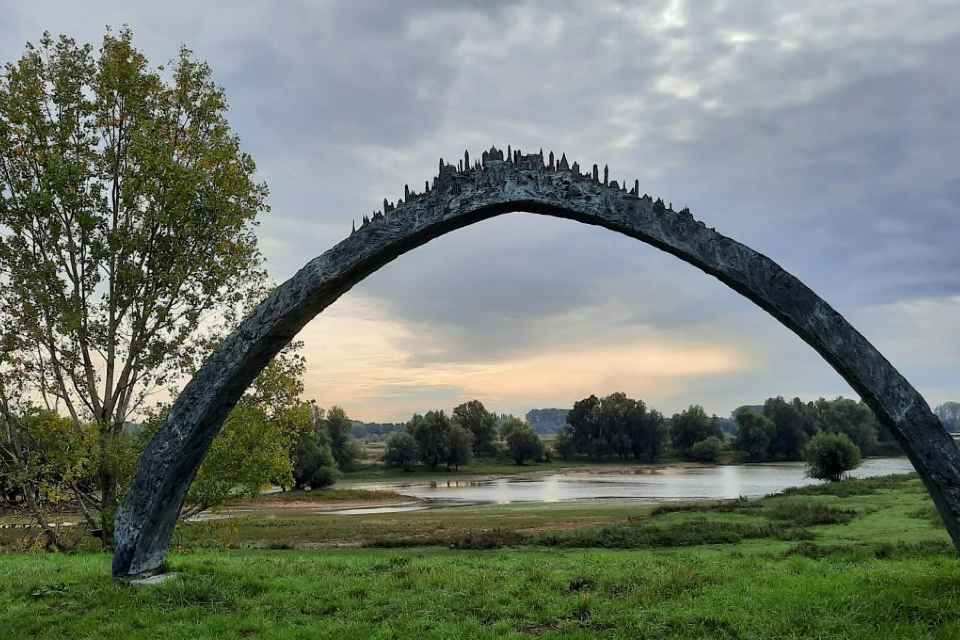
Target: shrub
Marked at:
808, 514
830, 455
707, 450
401, 451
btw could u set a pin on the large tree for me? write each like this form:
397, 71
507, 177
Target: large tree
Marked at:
852, 417
432, 435
127, 210
689, 427
792, 426
345, 449
482, 425
755, 432
401, 451
524, 444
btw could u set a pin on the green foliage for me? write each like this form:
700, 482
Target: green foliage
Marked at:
257, 445
344, 447
45, 460
690, 427
313, 463
401, 451
564, 444
128, 212
809, 514
523, 444
481, 424
855, 419
510, 425
707, 450
830, 455
432, 435
755, 432
459, 447
793, 426
616, 425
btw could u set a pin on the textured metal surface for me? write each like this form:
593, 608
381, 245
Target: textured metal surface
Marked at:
460, 196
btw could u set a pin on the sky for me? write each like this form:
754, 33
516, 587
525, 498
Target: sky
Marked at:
824, 135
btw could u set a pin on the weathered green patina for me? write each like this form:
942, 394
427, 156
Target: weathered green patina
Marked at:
460, 196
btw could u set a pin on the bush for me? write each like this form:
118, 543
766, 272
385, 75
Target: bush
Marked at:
809, 514
692, 426
707, 450
523, 444
830, 455
754, 434
401, 451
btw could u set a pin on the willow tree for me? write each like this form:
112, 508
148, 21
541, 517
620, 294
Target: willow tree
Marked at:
127, 211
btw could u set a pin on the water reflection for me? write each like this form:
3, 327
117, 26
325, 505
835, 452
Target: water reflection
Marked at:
636, 484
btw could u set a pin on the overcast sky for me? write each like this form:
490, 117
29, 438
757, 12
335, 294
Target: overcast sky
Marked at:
825, 135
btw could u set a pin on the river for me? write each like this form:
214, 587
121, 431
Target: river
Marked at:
635, 484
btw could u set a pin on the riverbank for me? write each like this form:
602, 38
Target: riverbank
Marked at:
859, 559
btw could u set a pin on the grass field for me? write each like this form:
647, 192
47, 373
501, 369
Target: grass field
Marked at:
859, 559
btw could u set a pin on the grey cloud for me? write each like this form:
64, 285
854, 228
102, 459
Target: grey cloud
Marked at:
821, 134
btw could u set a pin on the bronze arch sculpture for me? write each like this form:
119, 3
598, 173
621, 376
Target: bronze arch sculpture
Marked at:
460, 196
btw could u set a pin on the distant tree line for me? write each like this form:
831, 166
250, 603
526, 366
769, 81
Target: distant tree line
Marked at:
547, 421
615, 426
375, 431
949, 414
435, 439
620, 427
781, 429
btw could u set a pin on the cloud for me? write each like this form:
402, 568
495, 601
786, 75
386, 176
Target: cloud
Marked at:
823, 135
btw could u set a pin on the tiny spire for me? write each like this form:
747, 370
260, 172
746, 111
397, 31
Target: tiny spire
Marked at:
466, 159
551, 161
385, 205
406, 193
576, 168
509, 154
426, 186
596, 173
606, 174
636, 187
353, 227
460, 166
441, 166
563, 162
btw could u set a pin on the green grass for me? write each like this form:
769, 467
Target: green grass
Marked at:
863, 559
